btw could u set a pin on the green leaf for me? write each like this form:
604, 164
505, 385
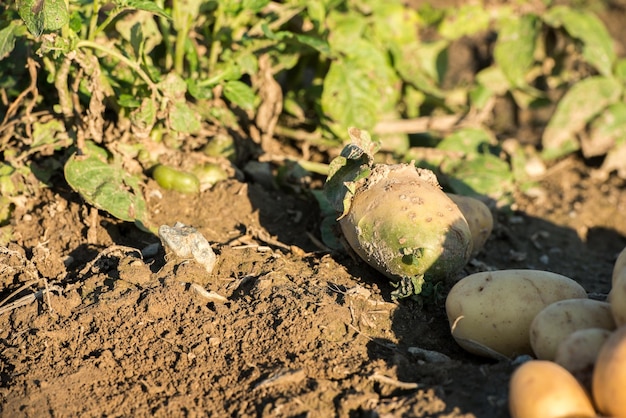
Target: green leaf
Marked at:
184, 119
466, 20
605, 131
149, 6
240, 94
47, 133
359, 88
580, 104
7, 40
480, 171
43, 15
254, 6
107, 186
515, 47
589, 29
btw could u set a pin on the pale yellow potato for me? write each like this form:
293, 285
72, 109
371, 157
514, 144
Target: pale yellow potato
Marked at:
490, 312
558, 320
478, 217
543, 389
617, 298
620, 265
609, 376
578, 352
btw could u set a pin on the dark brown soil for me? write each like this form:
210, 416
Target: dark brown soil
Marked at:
302, 332
284, 328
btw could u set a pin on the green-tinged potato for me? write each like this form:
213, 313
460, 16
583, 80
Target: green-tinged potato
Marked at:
401, 223
490, 312
478, 217
619, 268
617, 299
609, 376
172, 179
543, 389
559, 319
578, 352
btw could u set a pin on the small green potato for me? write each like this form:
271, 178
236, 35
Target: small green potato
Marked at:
559, 319
609, 376
543, 389
478, 217
172, 179
578, 352
490, 313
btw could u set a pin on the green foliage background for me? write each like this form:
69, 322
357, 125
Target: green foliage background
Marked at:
201, 75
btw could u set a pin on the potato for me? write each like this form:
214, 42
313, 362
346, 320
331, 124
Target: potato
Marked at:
609, 376
617, 298
558, 320
172, 179
620, 265
543, 389
478, 217
490, 312
578, 353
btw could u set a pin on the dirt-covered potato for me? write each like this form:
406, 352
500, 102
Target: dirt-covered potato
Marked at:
397, 218
478, 217
490, 312
609, 376
558, 320
543, 389
401, 223
578, 353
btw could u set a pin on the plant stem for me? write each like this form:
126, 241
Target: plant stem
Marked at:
216, 45
133, 65
93, 20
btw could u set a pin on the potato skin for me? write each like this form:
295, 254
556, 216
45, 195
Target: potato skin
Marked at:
609, 376
619, 268
579, 351
478, 217
543, 389
490, 312
172, 179
558, 320
405, 226
617, 297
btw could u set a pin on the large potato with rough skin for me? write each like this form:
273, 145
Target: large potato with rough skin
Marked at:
609, 376
401, 223
490, 312
543, 389
558, 320
478, 217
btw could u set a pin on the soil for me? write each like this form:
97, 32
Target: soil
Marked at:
113, 325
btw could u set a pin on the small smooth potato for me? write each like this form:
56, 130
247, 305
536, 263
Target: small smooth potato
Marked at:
478, 217
543, 389
609, 376
579, 351
620, 265
617, 298
490, 312
558, 320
